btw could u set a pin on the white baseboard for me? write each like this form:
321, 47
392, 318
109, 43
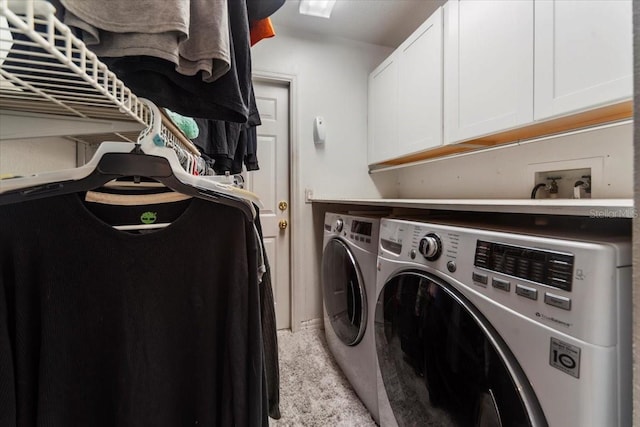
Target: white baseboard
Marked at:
312, 324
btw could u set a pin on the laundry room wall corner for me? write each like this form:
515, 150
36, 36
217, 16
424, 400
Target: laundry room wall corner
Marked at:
331, 75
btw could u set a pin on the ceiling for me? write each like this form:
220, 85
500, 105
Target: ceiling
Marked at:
381, 22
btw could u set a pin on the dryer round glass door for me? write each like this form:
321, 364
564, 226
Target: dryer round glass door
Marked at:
442, 363
343, 292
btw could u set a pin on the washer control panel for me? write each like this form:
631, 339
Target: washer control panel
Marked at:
568, 283
548, 268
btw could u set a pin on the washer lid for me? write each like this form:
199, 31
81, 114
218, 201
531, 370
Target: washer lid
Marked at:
343, 292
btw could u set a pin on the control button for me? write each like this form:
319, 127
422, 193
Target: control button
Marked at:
557, 301
503, 285
537, 271
527, 292
451, 266
368, 240
480, 279
339, 225
413, 253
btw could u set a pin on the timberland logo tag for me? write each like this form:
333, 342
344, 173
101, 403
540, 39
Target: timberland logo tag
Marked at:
148, 217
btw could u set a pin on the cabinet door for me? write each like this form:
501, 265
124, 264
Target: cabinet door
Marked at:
583, 55
420, 88
383, 111
488, 63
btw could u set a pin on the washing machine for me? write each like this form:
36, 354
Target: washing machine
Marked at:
348, 288
502, 326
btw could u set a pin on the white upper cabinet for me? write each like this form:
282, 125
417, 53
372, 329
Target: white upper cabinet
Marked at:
420, 88
383, 111
488, 67
405, 96
583, 55
478, 68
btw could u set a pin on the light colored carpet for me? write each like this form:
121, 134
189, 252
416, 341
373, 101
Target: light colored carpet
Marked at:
313, 391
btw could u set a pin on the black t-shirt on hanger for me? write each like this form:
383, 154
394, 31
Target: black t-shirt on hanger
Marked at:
103, 327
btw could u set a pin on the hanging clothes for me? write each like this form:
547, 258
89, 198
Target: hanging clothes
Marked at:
260, 30
269, 334
261, 9
193, 35
230, 145
249, 139
100, 326
103, 327
151, 68
227, 98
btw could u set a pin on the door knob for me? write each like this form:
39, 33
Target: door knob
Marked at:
283, 205
283, 224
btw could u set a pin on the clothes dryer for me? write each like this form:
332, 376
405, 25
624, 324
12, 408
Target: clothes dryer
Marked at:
348, 288
502, 327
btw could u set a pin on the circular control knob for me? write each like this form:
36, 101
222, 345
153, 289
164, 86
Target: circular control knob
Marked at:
430, 247
339, 225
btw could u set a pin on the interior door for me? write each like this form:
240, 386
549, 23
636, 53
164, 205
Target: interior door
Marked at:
271, 184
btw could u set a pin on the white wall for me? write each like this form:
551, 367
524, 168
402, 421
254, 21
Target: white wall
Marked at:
28, 156
508, 172
331, 81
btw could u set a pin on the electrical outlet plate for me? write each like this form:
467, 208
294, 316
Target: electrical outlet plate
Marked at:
308, 195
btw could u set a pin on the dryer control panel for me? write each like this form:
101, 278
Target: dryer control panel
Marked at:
362, 231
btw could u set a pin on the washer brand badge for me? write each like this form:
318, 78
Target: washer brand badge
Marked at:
553, 319
565, 357
148, 217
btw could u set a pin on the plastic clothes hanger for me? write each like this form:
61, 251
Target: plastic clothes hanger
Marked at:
148, 158
109, 165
